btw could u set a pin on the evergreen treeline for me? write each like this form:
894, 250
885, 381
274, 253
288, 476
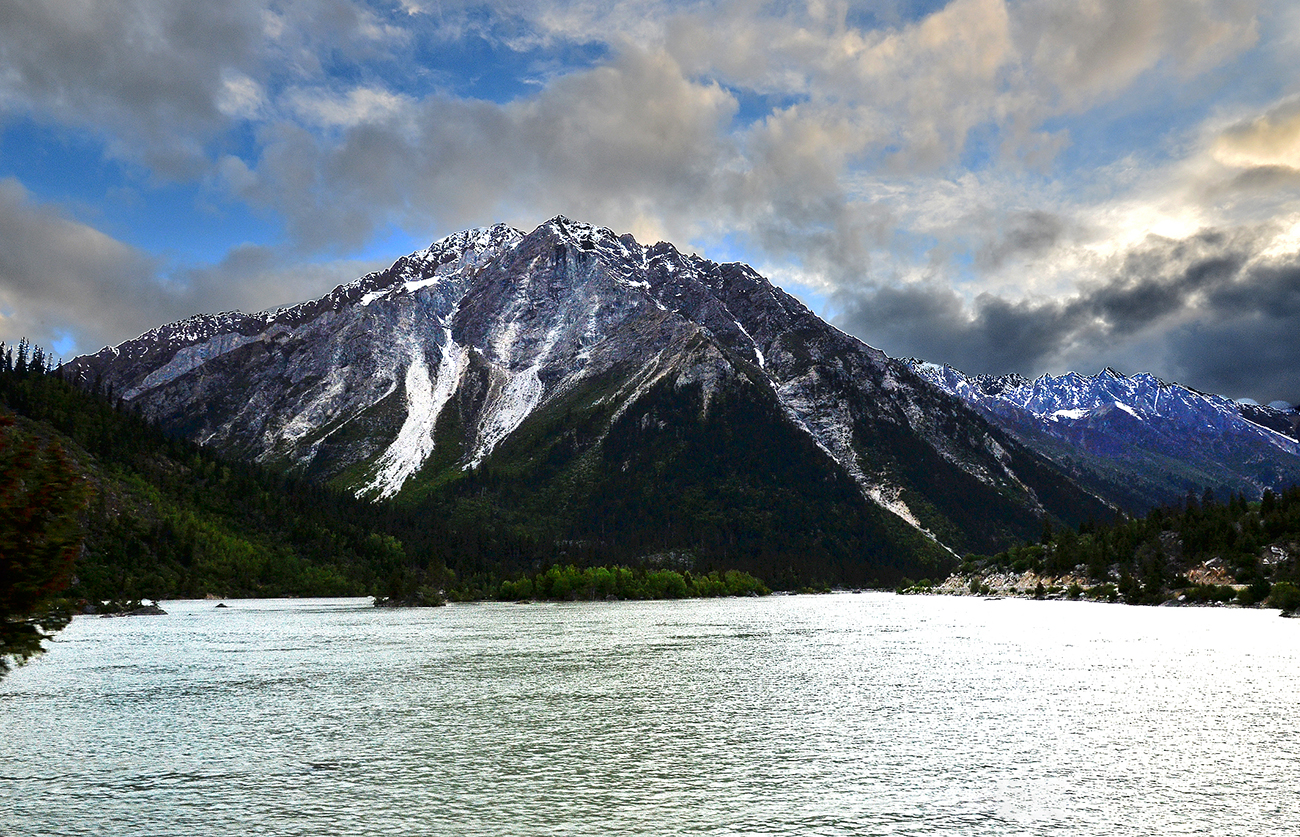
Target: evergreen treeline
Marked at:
1251, 549
167, 518
41, 500
569, 583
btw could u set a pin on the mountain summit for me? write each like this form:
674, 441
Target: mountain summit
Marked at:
607, 396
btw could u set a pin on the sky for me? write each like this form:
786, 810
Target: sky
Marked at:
1003, 186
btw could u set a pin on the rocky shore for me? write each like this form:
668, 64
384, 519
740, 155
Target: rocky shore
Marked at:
1031, 585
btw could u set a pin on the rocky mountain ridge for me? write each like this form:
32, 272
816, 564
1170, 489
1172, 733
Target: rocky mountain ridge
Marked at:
576, 359
1136, 439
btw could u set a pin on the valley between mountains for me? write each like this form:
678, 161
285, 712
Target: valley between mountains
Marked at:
602, 401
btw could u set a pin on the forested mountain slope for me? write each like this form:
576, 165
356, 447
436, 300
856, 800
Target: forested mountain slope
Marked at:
166, 517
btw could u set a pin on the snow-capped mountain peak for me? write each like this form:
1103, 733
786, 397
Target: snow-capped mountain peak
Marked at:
1110, 418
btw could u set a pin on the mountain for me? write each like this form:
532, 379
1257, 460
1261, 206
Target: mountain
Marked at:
601, 399
1279, 416
1136, 440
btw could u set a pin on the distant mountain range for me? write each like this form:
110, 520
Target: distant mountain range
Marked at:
610, 400
1136, 440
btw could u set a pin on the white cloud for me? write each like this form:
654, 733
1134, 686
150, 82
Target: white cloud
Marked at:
358, 106
903, 155
1272, 139
618, 143
1078, 52
240, 97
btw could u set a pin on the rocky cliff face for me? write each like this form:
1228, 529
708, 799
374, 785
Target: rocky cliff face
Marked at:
1137, 440
544, 370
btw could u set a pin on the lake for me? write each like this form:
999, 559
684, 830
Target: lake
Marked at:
869, 714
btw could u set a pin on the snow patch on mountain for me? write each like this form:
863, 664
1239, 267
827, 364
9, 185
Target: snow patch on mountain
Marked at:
1126, 408
637, 385
510, 402
425, 399
316, 412
829, 426
512, 396
419, 284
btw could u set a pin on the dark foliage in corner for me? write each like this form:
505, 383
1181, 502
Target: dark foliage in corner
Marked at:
41, 498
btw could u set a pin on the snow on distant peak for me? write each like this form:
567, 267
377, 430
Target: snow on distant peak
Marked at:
474, 240
1126, 408
1057, 399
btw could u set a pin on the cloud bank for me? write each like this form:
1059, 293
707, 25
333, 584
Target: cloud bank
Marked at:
1005, 185
1206, 309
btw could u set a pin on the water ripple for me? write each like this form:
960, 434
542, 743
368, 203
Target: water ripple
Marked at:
828, 715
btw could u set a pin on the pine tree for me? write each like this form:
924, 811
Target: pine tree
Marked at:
41, 496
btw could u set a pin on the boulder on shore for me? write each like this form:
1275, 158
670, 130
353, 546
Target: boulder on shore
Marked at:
420, 598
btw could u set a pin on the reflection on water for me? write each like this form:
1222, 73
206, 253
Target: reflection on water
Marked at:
866, 714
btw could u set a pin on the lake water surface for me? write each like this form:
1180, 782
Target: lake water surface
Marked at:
869, 714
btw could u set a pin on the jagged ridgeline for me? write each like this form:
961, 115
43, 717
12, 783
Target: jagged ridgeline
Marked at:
1136, 440
588, 398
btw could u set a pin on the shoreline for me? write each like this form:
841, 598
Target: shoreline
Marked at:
1009, 584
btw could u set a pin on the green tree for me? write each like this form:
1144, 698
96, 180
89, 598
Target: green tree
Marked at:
1254, 593
1286, 596
41, 497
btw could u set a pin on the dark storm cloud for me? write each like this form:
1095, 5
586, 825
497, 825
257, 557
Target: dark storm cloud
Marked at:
1025, 233
1204, 310
1247, 343
931, 321
1242, 357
